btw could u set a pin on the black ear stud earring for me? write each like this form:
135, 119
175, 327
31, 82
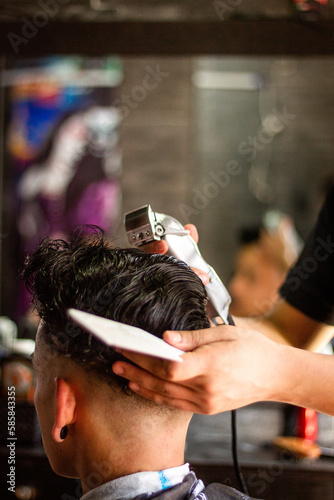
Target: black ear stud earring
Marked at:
63, 432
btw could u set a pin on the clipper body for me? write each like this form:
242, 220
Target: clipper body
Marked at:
143, 226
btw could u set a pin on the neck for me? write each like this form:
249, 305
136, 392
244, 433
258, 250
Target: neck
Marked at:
133, 445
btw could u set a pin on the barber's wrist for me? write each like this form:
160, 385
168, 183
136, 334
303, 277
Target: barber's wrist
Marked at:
286, 377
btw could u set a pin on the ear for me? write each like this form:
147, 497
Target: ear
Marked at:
65, 407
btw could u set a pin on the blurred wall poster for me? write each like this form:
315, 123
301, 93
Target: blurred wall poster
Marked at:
63, 145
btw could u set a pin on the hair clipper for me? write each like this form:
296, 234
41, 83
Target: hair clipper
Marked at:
144, 226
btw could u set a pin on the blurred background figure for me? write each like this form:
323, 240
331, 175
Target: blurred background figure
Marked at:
265, 254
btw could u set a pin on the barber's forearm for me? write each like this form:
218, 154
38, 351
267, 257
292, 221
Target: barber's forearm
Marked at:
306, 379
264, 326
287, 325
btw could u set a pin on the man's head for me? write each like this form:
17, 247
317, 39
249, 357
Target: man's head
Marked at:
153, 292
258, 274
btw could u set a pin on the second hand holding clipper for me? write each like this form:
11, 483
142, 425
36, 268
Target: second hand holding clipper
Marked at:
143, 226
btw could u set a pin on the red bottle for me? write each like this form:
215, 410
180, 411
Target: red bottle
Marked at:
307, 424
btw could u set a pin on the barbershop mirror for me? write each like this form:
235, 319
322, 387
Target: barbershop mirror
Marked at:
216, 141
223, 140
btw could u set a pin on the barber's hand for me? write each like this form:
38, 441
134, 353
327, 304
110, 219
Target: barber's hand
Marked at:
227, 367
161, 246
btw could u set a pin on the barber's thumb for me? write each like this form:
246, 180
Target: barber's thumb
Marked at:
185, 340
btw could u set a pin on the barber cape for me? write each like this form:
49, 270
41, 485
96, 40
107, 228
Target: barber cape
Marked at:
189, 490
176, 483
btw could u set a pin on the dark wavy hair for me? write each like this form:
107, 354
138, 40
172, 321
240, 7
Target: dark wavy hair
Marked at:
151, 291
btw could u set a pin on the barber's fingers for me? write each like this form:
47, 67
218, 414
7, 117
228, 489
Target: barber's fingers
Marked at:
148, 385
160, 368
193, 231
190, 340
166, 399
202, 275
159, 246
193, 364
194, 399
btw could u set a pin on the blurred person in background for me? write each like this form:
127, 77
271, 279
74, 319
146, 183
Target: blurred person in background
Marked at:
263, 258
